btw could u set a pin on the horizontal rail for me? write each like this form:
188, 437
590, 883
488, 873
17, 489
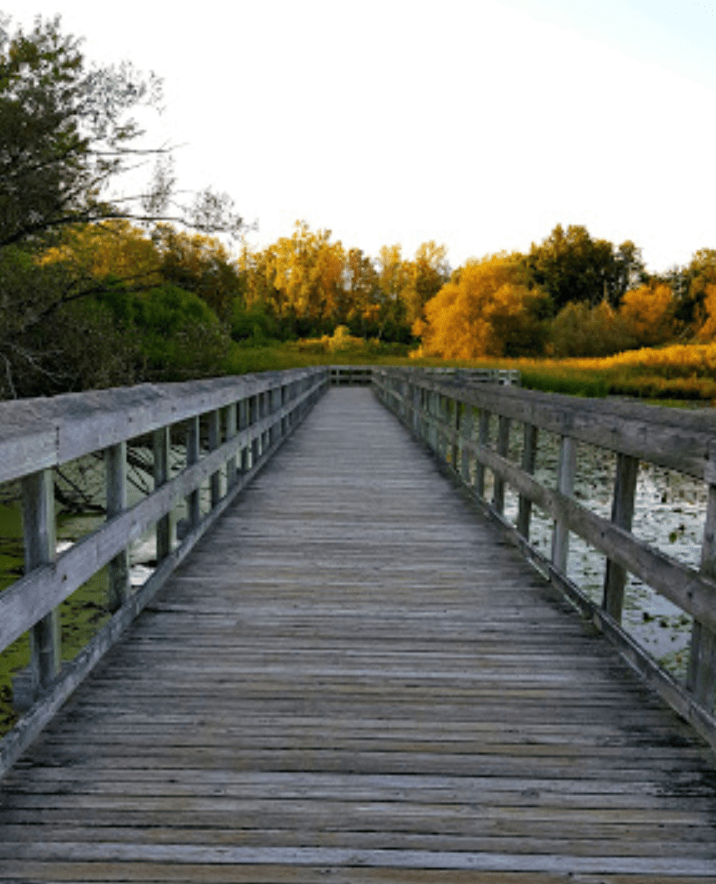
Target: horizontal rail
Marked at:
245, 420
453, 418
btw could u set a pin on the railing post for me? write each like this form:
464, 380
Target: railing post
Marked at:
192, 457
565, 485
214, 442
622, 515
415, 390
483, 440
503, 441
161, 477
38, 520
232, 466
529, 460
254, 414
466, 434
455, 428
118, 585
245, 454
701, 677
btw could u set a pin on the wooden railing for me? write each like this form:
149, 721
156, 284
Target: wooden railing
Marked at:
225, 431
467, 425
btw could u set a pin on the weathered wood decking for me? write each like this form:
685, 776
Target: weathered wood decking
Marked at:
353, 679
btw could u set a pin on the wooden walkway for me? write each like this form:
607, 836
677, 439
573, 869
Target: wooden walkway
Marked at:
354, 680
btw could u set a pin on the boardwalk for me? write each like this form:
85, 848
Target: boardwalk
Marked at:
353, 679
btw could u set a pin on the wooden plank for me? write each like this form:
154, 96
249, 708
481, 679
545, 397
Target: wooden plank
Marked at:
354, 677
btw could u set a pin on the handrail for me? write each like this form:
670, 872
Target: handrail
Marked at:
242, 420
453, 419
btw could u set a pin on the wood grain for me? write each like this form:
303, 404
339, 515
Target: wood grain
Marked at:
354, 678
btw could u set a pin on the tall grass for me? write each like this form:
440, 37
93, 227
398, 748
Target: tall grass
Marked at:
677, 372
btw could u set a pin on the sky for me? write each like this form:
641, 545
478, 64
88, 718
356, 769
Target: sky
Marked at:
479, 124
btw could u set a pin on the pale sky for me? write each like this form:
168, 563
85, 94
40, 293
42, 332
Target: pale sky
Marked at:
479, 124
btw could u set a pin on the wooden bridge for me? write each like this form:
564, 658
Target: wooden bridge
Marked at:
365, 672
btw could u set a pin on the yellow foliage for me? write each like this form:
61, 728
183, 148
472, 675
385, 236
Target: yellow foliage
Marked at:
111, 248
648, 314
484, 311
708, 329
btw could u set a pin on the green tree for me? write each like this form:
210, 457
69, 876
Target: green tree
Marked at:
67, 134
571, 266
427, 273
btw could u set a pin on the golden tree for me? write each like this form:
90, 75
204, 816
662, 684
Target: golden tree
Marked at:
485, 310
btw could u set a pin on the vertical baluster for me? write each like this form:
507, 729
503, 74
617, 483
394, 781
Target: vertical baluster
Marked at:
529, 459
161, 477
285, 403
275, 411
214, 442
193, 436
38, 519
483, 440
466, 434
245, 453
115, 460
565, 485
444, 426
253, 418
503, 441
456, 421
622, 515
415, 390
232, 468
701, 678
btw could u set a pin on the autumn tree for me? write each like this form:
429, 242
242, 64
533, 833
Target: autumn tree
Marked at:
487, 309
707, 330
647, 314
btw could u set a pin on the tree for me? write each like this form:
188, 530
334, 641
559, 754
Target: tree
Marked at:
487, 309
647, 314
695, 279
67, 135
67, 138
581, 330
707, 331
201, 264
571, 266
426, 275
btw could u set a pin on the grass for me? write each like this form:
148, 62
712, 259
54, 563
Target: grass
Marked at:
674, 374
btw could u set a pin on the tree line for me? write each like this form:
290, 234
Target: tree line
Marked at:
569, 296
102, 286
